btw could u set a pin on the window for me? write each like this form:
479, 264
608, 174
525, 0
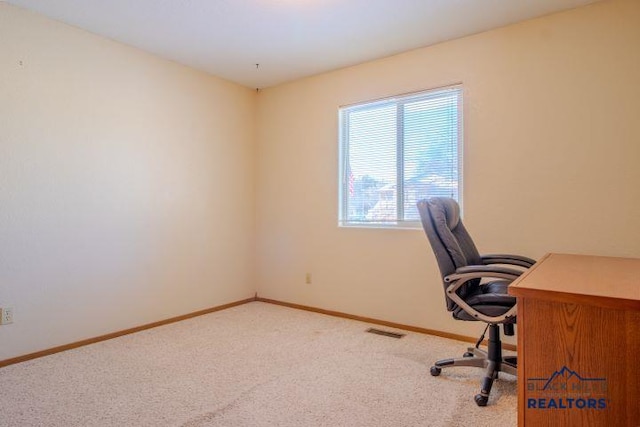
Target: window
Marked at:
396, 151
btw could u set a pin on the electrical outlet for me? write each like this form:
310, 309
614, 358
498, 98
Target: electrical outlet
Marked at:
6, 315
307, 278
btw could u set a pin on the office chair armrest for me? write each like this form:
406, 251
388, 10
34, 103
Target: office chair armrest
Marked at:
481, 271
464, 274
518, 260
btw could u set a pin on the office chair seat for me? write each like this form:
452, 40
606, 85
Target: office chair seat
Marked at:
490, 299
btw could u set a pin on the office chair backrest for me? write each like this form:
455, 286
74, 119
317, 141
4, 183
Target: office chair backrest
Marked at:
450, 241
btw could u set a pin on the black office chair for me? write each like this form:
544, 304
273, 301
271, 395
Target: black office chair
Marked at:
475, 288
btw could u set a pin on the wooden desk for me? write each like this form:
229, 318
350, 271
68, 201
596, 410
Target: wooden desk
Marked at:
579, 342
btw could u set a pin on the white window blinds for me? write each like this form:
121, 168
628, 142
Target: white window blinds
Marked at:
396, 151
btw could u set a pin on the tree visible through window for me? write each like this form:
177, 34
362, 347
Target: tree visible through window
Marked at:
396, 151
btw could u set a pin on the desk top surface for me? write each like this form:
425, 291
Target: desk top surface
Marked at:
597, 280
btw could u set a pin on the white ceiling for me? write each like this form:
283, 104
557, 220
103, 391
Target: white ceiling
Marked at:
288, 38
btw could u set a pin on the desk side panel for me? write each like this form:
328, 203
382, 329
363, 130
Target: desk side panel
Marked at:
579, 366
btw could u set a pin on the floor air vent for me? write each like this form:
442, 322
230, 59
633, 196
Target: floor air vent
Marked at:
385, 333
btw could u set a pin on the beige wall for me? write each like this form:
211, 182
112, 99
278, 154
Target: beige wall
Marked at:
551, 155
126, 186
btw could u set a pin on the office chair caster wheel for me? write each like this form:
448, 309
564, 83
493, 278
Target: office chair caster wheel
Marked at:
467, 354
481, 400
435, 371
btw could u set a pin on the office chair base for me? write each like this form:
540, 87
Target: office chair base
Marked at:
479, 358
491, 360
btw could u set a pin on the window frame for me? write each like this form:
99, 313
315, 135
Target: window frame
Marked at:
343, 153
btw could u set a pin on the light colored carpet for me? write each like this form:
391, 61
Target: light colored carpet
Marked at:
253, 365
